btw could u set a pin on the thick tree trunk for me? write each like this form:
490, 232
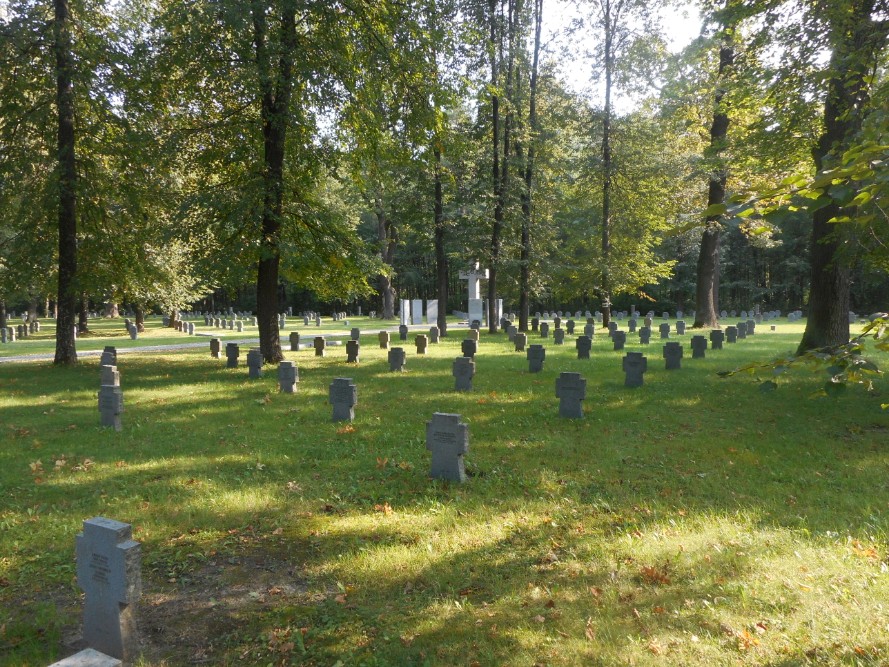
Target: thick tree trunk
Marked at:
857, 42
276, 82
66, 351
498, 178
140, 318
83, 325
441, 259
388, 239
2, 313
707, 291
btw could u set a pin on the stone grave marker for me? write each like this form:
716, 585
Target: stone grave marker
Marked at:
110, 397
664, 328
731, 334
631, 325
3, 335
535, 324
673, 355
634, 366
742, 330
396, 359
648, 320
583, 344
320, 345
733, 313
612, 327
717, 336
88, 657
134, 332
698, 347
557, 322
433, 334
473, 334
343, 397
751, 327
239, 327
679, 314
521, 339
571, 391
353, 349
254, 363
294, 341
511, 331
402, 332
383, 337
109, 356
448, 440
109, 573
469, 347
680, 328
559, 336
569, 327
644, 335
355, 333
619, 338
288, 377
422, 342
215, 347
589, 331
305, 321
463, 372
536, 355
475, 325
232, 352
544, 330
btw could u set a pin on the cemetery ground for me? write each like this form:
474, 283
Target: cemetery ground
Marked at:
694, 520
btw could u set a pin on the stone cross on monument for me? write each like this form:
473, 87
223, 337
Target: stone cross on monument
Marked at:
473, 280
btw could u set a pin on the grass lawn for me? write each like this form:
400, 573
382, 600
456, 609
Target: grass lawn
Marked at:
692, 521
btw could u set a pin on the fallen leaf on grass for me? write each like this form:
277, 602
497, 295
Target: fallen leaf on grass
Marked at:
343, 430
654, 575
539, 619
381, 463
746, 641
590, 631
385, 508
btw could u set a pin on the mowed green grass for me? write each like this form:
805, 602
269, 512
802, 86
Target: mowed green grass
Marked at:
695, 520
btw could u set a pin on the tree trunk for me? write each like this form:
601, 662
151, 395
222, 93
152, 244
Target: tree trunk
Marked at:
140, 318
497, 177
83, 315
2, 313
858, 40
441, 259
388, 238
707, 291
66, 351
276, 87
527, 193
607, 169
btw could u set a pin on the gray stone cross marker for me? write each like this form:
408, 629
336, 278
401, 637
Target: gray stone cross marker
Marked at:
571, 391
294, 341
463, 372
422, 342
698, 347
569, 327
557, 322
544, 330
583, 344
520, 340
619, 338
535, 324
473, 334
536, 354
473, 279
589, 331
631, 325
355, 333
232, 352
110, 398
742, 329
402, 332
320, 345
434, 333
634, 365
612, 327
731, 334
559, 336
353, 349
383, 337
448, 440
680, 327
109, 572
511, 331
215, 347
396, 359
664, 328
645, 335
288, 377
469, 347
673, 355
254, 363
343, 398
109, 356
717, 336
751, 327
